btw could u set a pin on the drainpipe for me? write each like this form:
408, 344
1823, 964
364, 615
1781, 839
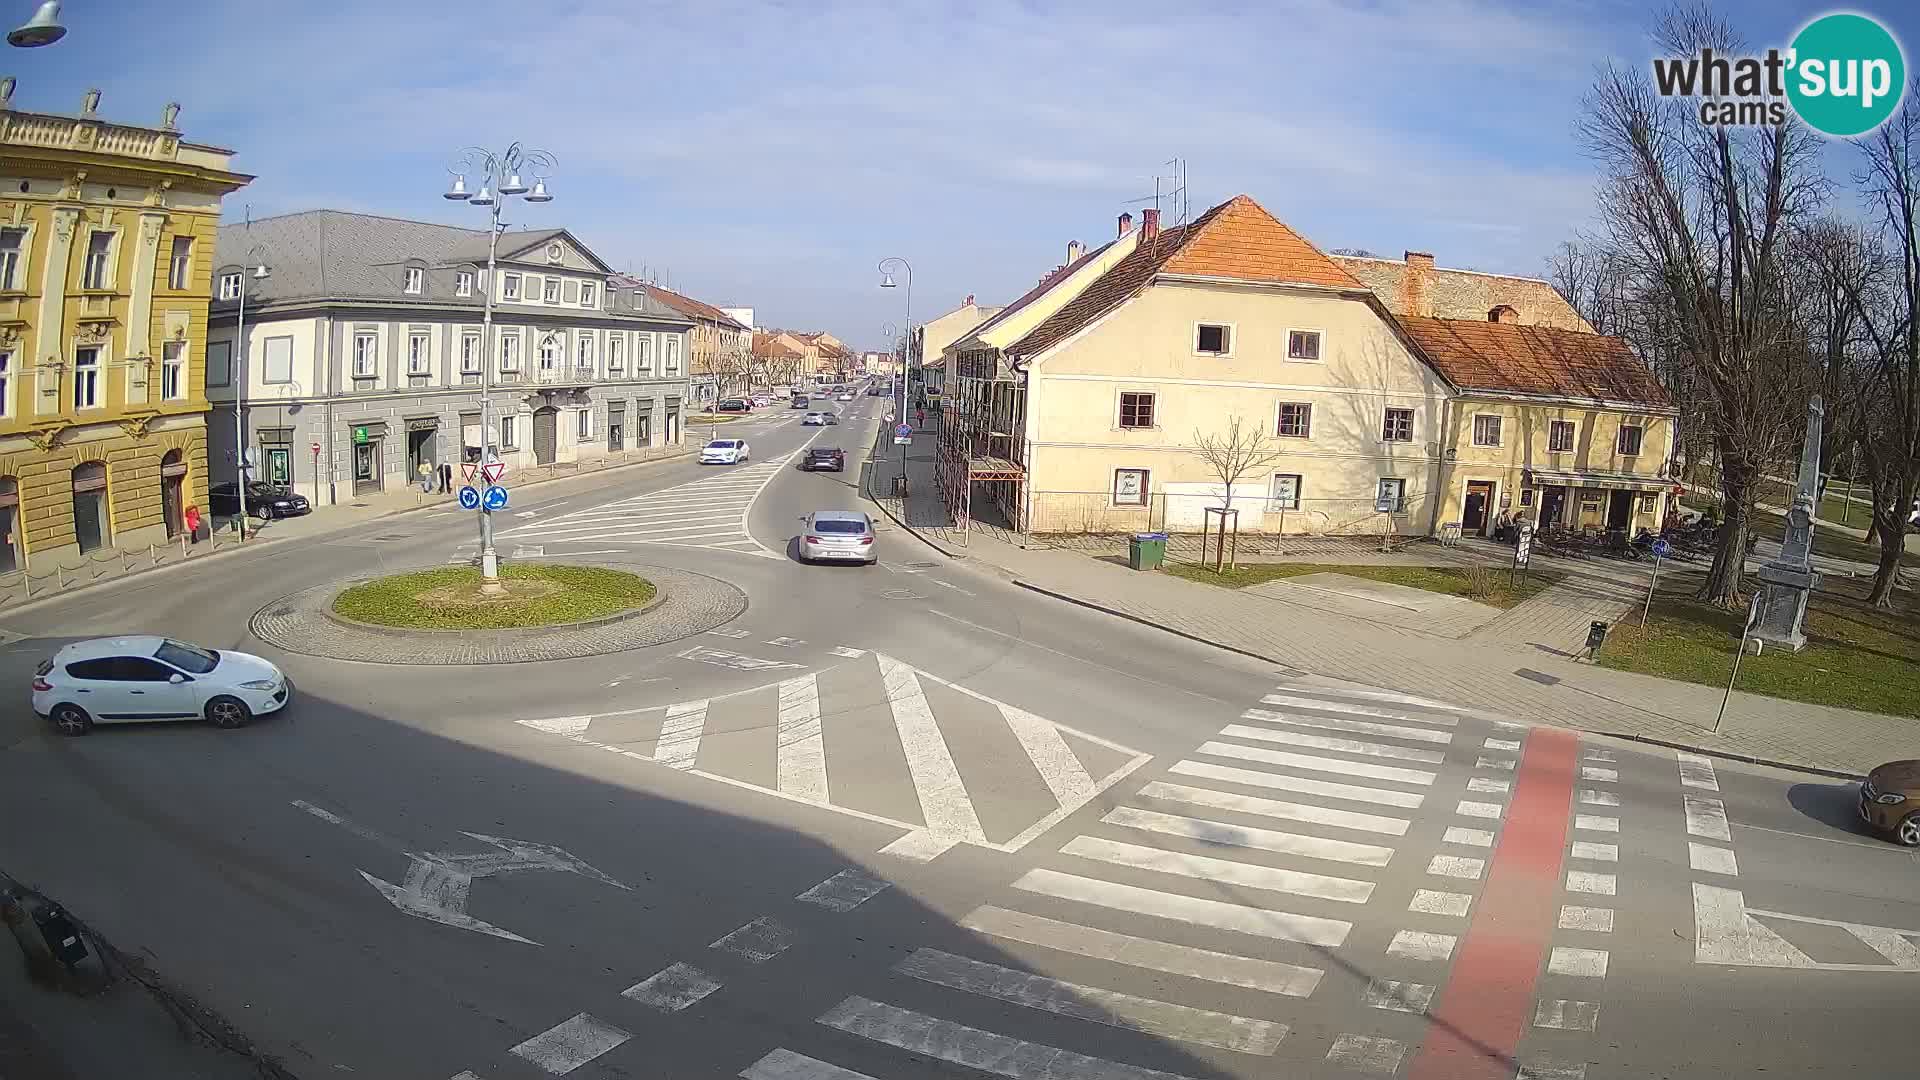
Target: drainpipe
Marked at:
333, 496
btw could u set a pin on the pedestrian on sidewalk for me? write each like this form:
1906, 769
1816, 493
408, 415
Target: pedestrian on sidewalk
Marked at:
446, 478
192, 517
920, 417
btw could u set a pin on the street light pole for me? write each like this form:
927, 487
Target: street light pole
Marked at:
239, 377
500, 173
906, 361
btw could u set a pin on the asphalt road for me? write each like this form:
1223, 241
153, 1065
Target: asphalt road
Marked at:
910, 820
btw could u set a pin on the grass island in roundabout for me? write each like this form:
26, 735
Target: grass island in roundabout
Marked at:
450, 598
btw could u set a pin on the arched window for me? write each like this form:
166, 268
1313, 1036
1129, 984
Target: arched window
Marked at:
550, 352
91, 526
173, 475
1503, 314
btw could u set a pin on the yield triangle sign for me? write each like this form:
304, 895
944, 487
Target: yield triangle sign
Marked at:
468, 468
493, 471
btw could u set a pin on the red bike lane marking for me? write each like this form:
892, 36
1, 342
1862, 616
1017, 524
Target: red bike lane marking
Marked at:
1483, 1008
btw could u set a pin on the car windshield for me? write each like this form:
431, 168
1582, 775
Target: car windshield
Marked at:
839, 526
823, 451
722, 444
189, 658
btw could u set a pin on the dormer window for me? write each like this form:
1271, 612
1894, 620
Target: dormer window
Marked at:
1501, 313
463, 283
413, 281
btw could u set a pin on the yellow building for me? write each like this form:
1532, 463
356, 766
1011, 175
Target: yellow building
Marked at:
106, 254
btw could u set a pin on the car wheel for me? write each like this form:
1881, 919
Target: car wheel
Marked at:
228, 712
70, 719
264, 513
1907, 833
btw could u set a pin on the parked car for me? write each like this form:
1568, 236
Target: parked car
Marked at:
1890, 801
819, 419
733, 405
801, 401
761, 401
264, 501
130, 679
724, 452
838, 536
824, 457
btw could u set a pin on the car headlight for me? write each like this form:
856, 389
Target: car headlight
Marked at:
259, 684
1890, 798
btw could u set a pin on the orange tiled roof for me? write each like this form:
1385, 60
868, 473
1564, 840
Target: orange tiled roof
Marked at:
687, 305
1519, 359
1237, 239
769, 346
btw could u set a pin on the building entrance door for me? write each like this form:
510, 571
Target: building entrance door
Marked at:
546, 435
1473, 514
366, 467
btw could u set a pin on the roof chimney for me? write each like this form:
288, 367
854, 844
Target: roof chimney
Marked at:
1126, 224
1149, 223
1073, 252
1416, 286
969, 302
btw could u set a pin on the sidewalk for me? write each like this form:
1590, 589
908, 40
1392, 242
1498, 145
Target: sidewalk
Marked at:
1504, 672
50, 578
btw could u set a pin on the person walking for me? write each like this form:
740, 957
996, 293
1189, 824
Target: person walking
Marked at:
446, 478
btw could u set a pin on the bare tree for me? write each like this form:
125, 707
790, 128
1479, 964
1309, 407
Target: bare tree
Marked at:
1702, 215
1232, 454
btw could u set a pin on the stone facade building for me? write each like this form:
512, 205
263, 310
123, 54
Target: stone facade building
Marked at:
364, 354
106, 245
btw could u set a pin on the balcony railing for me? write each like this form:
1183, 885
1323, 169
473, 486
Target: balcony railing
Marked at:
69, 133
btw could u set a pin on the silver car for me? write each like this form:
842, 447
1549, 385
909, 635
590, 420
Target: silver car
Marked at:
838, 536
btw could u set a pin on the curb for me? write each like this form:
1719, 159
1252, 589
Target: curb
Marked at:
251, 545
867, 493
1729, 755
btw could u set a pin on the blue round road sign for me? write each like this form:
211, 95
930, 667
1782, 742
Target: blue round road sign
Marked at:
469, 498
904, 431
496, 498
1661, 549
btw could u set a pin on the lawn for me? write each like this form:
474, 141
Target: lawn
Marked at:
445, 598
1856, 657
1493, 588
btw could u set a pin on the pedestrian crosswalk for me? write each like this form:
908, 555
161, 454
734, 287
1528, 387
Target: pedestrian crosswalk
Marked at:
710, 512
1209, 911
879, 739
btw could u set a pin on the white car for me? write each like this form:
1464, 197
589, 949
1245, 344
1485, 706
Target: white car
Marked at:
131, 679
844, 396
724, 452
818, 419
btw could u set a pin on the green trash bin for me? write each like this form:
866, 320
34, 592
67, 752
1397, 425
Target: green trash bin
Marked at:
1146, 551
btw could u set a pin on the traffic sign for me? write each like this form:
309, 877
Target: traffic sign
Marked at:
904, 431
1662, 549
496, 498
468, 469
469, 497
492, 471
316, 448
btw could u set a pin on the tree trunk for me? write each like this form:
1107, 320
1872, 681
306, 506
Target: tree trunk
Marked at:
1722, 585
1893, 544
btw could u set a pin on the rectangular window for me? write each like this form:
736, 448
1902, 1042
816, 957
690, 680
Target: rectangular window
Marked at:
1130, 487
415, 280
6, 384
86, 377
1486, 430
1647, 502
12, 241
1391, 498
96, 274
1296, 420
616, 353
585, 430
229, 286
1398, 426
180, 265
1303, 345
510, 287
463, 283
551, 294
1560, 436
173, 370
643, 353
1629, 440
1213, 339
670, 360
1286, 492
219, 363
1526, 496
366, 354
588, 294
278, 360
583, 352
470, 354
1136, 410
419, 357
506, 433
510, 352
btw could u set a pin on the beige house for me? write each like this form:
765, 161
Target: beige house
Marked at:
1084, 405
931, 339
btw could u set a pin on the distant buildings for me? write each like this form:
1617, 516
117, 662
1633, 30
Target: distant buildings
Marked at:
106, 246
721, 346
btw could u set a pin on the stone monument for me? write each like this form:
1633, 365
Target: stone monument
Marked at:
1788, 577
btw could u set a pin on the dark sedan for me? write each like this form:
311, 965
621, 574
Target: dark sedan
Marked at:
264, 501
830, 458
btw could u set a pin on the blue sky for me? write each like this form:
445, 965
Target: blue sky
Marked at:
771, 153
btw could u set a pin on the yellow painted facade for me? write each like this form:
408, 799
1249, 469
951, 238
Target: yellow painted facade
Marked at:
1523, 473
107, 238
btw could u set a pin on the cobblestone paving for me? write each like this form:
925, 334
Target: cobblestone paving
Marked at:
694, 604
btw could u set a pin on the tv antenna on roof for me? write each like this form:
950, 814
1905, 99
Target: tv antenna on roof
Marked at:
1170, 189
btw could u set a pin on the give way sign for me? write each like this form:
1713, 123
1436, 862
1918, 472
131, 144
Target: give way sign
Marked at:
492, 471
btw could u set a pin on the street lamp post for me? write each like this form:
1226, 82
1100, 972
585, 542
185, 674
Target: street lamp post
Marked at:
906, 361
239, 375
500, 180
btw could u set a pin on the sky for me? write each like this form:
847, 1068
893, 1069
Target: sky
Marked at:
770, 154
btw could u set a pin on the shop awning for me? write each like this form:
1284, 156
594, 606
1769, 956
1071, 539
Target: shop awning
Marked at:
1592, 479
